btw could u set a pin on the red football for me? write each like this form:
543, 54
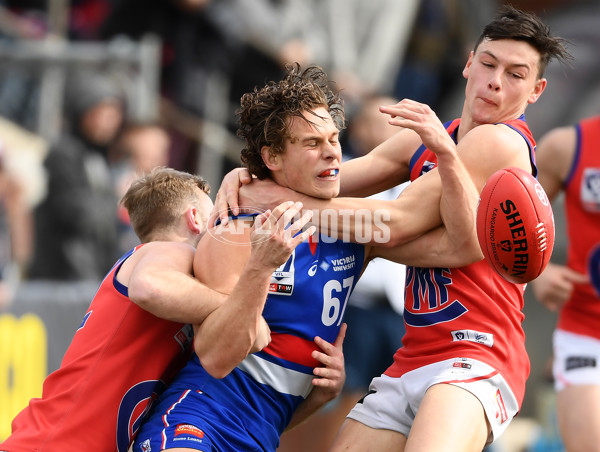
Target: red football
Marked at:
515, 225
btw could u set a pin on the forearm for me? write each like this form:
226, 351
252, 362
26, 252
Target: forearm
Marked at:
240, 316
364, 176
382, 168
458, 207
174, 295
372, 221
313, 403
436, 249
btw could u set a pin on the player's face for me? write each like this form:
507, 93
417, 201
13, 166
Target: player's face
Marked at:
311, 160
502, 79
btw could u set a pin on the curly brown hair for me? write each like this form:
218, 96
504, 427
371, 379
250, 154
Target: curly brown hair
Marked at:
265, 113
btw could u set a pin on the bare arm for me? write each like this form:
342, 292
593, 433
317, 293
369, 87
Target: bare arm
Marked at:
454, 243
554, 156
159, 279
554, 159
224, 262
423, 206
555, 285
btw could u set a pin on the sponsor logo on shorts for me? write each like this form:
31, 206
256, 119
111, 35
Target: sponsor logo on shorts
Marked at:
461, 365
188, 429
473, 336
146, 446
501, 413
577, 362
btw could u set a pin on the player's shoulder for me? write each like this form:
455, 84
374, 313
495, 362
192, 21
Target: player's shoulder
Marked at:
159, 248
236, 231
223, 250
497, 143
175, 255
493, 135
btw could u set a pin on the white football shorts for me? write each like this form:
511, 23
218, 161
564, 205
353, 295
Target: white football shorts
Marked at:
576, 360
392, 403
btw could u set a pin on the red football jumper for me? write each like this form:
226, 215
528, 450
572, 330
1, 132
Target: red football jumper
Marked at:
120, 358
581, 313
469, 312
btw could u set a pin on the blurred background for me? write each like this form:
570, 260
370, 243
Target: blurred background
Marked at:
95, 92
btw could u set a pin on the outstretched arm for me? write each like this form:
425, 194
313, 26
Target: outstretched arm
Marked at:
443, 197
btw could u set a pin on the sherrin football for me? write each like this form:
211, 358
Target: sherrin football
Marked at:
515, 225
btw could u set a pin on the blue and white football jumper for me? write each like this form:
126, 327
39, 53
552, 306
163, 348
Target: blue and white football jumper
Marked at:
250, 408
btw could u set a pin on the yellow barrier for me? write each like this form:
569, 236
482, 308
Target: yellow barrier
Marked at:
23, 364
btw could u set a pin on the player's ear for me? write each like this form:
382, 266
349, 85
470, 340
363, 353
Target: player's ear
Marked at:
272, 161
465, 71
194, 221
539, 88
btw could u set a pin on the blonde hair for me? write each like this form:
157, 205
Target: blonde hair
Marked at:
155, 201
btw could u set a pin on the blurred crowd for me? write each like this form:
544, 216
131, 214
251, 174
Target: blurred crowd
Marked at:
59, 220
61, 216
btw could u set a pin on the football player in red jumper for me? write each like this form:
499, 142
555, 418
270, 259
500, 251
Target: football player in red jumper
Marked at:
569, 161
135, 334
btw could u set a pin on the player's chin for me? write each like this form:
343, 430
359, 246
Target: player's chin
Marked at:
327, 190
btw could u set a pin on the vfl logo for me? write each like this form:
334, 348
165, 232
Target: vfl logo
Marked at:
505, 245
431, 304
427, 166
590, 189
282, 280
473, 336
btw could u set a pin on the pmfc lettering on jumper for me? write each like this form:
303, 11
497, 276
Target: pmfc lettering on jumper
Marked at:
519, 236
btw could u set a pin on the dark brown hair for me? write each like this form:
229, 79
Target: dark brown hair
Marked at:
512, 23
265, 113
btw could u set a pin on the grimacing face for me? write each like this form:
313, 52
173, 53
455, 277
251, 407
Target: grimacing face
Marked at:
311, 160
502, 79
